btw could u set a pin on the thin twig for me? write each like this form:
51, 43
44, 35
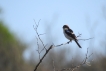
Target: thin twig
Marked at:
39, 34
83, 39
83, 62
47, 50
63, 44
43, 48
71, 41
54, 69
72, 62
79, 35
86, 39
42, 34
39, 22
38, 48
43, 57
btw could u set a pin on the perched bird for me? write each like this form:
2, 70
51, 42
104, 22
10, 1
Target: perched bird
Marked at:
69, 34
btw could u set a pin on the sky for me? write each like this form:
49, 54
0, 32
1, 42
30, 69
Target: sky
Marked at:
82, 16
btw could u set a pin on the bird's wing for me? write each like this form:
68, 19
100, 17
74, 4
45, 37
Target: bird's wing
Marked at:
70, 33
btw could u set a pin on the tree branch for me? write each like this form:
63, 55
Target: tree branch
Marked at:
81, 64
47, 50
43, 57
71, 41
39, 34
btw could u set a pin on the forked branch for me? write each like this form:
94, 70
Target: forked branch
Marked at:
81, 64
51, 46
43, 57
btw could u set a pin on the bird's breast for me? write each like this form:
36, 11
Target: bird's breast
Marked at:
67, 36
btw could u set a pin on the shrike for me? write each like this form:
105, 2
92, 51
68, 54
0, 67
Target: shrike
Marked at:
70, 35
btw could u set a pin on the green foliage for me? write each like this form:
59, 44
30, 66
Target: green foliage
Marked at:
10, 51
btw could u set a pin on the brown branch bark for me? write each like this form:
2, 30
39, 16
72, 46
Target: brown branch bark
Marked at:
43, 57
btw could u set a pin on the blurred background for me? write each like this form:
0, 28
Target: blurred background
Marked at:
18, 44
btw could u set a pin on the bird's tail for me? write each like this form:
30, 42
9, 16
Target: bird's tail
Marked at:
78, 44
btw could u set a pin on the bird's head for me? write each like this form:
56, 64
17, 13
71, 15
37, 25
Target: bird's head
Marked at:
65, 27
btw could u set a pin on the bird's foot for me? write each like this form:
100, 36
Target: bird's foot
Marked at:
68, 42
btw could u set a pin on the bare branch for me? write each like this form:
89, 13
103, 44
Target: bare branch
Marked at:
42, 34
81, 64
86, 39
38, 48
79, 35
47, 50
70, 41
39, 34
43, 48
54, 69
43, 57
63, 44
37, 24
65, 69
83, 39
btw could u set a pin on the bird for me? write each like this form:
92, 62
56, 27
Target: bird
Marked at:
69, 34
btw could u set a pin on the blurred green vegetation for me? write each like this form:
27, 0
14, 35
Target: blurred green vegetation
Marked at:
11, 51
